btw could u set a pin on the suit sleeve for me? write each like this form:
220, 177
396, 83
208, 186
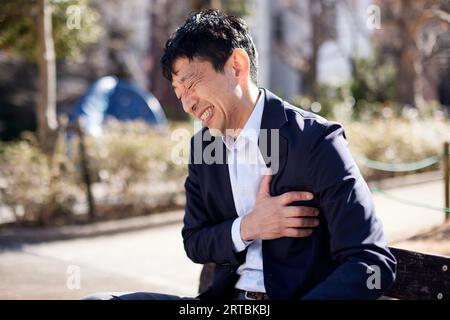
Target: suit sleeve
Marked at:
365, 267
206, 241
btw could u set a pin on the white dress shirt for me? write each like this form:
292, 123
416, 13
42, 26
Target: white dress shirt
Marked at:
247, 168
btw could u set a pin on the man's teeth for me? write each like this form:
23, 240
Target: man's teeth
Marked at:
206, 114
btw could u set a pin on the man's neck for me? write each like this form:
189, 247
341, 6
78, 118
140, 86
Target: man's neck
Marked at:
249, 100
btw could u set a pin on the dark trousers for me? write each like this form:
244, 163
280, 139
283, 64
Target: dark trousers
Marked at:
134, 296
146, 296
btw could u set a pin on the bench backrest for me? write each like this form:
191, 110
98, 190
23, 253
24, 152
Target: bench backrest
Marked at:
420, 276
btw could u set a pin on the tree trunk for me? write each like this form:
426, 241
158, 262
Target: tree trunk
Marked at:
46, 106
309, 81
160, 30
406, 78
407, 56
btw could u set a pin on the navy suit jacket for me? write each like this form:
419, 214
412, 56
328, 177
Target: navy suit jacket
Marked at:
335, 261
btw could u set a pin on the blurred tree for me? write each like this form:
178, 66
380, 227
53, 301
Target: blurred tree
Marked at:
236, 7
165, 17
41, 31
372, 84
75, 24
373, 79
46, 106
320, 24
409, 33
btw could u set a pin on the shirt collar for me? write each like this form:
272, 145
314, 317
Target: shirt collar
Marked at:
251, 129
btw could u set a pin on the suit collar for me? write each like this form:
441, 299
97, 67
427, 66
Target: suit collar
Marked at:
274, 115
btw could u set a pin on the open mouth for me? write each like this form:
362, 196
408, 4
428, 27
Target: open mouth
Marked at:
207, 114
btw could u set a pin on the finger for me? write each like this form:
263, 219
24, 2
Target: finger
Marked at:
292, 196
297, 233
264, 187
301, 222
291, 211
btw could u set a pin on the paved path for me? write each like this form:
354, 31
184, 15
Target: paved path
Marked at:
400, 220
150, 260
154, 260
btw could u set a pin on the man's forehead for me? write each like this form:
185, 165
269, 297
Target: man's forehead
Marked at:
183, 69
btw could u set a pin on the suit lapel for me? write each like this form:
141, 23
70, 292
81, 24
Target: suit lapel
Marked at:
221, 176
228, 192
270, 137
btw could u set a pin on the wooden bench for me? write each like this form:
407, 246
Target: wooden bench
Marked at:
419, 276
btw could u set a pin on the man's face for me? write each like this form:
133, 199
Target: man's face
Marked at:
208, 95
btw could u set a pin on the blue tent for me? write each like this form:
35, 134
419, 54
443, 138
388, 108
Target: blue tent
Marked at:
117, 98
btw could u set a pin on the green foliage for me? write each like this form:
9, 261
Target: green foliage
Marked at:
368, 94
331, 102
397, 140
133, 161
373, 84
238, 8
36, 188
75, 25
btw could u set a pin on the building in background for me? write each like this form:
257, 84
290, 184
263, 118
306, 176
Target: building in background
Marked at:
341, 34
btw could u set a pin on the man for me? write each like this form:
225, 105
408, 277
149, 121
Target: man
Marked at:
306, 228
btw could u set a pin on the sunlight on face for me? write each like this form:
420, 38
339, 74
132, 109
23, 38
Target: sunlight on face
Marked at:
210, 96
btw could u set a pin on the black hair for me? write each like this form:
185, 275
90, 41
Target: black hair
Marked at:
212, 36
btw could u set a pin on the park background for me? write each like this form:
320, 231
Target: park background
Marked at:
86, 209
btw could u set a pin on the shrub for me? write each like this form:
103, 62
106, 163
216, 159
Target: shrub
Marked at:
131, 164
132, 161
37, 189
396, 140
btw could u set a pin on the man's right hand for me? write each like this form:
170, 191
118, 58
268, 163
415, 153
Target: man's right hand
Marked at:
272, 218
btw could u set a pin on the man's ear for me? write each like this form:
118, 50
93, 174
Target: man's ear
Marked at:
240, 64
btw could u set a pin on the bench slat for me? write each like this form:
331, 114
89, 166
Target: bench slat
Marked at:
420, 276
